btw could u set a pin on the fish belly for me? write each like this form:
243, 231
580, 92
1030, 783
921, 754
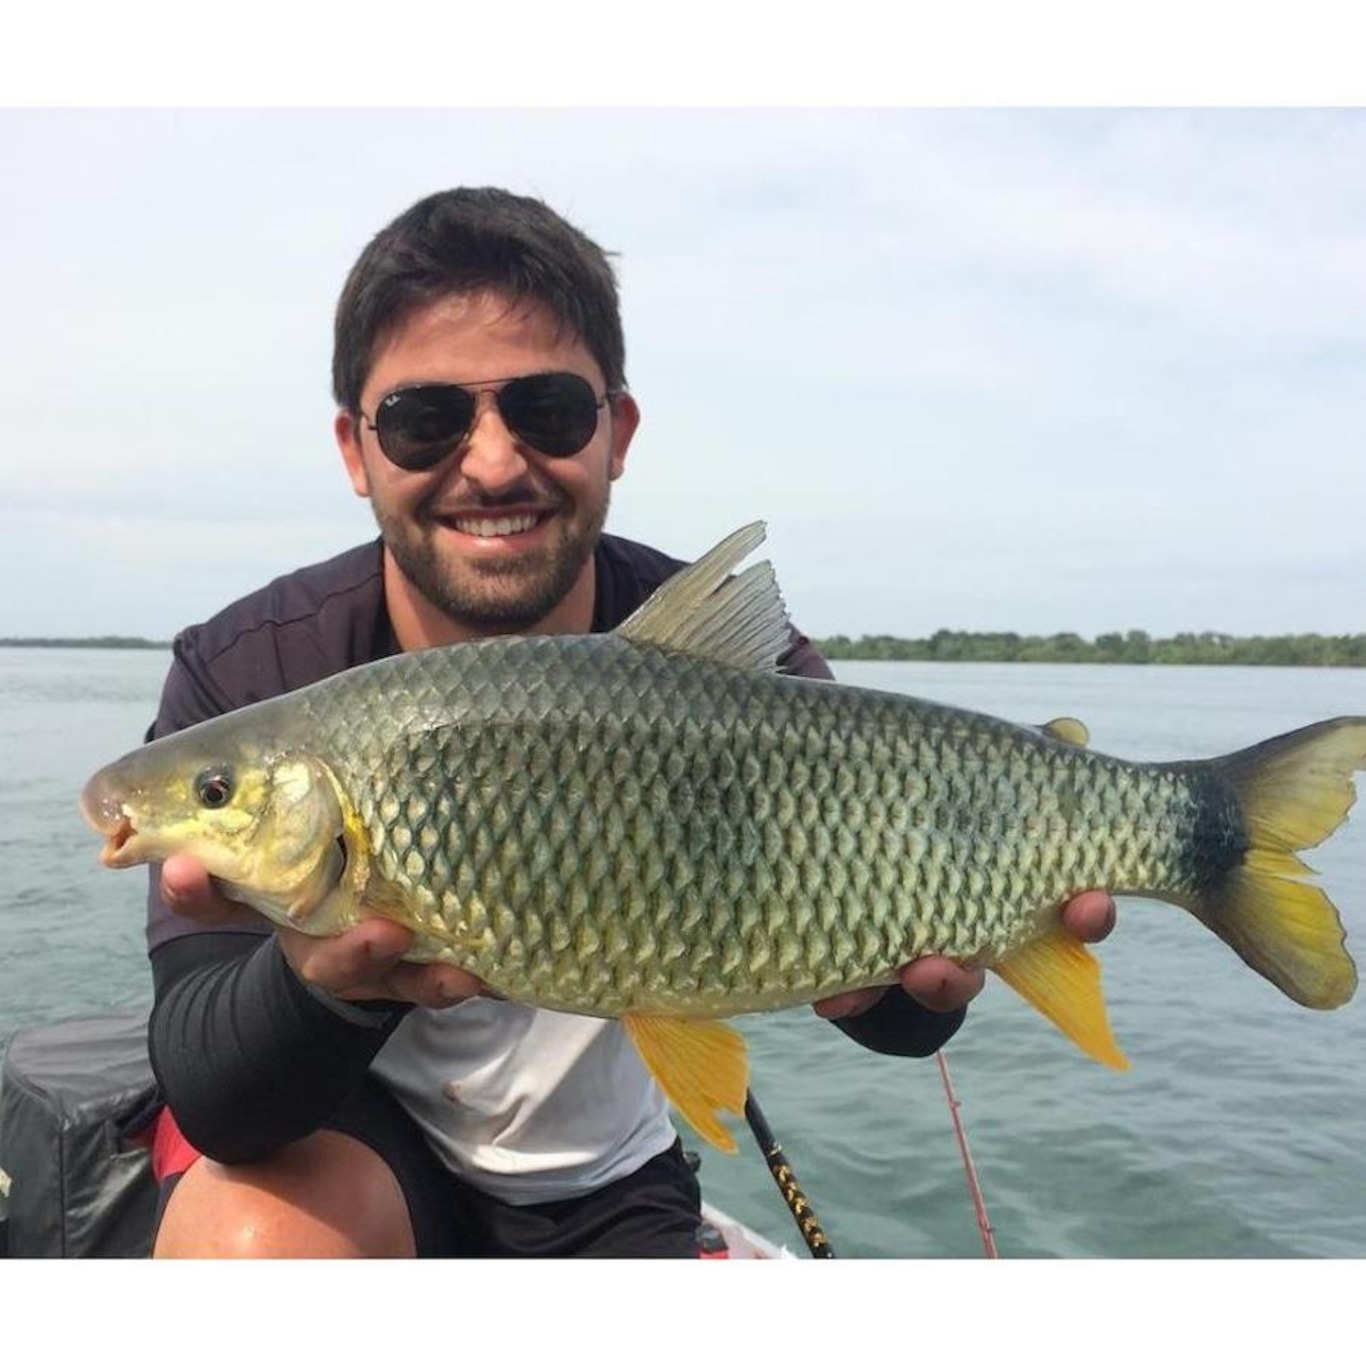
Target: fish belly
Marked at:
602, 827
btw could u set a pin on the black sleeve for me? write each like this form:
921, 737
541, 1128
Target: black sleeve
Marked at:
246, 1056
900, 1025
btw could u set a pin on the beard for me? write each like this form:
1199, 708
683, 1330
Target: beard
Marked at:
503, 599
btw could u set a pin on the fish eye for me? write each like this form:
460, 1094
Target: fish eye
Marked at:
214, 787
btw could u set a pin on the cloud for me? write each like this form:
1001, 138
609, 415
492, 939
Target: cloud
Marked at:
991, 357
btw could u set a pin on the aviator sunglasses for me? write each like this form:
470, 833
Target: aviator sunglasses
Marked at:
554, 413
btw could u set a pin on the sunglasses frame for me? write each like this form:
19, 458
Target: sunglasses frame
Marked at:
429, 456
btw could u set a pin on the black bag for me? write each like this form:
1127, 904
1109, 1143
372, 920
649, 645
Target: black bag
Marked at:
73, 1100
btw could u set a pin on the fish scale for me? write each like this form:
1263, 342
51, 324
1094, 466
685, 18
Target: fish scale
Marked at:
591, 779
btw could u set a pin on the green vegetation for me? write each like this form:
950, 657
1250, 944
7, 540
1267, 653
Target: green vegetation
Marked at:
1133, 647
83, 643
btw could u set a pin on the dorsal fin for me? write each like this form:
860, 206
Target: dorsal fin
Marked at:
1067, 729
701, 611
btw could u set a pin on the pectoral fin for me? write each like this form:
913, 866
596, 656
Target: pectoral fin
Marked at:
701, 1066
1060, 978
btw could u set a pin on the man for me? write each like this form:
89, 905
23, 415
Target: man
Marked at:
348, 1103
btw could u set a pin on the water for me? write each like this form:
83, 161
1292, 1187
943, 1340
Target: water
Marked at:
1239, 1132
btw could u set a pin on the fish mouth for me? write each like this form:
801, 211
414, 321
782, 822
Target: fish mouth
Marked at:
106, 812
112, 855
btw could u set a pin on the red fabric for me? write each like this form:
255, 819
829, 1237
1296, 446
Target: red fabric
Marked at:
172, 1152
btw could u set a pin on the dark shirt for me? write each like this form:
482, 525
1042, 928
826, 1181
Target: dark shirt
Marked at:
246, 1055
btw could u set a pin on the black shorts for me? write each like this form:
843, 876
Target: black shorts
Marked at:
653, 1212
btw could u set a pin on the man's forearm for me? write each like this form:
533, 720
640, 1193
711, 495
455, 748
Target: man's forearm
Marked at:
247, 1057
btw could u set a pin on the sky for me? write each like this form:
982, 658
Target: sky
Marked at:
1036, 369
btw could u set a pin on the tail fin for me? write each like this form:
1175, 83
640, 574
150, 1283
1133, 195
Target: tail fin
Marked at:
1294, 791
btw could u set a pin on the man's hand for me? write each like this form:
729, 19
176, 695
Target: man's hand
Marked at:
363, 963
940, 984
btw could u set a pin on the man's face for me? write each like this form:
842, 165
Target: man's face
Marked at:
497, 535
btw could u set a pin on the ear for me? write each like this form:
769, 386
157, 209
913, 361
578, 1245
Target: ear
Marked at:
348, 434
625, 420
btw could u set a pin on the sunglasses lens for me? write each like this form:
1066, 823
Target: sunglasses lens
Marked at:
555, 414
420, 427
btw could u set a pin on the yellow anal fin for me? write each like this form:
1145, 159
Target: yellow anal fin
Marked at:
701, 1066
1060, 978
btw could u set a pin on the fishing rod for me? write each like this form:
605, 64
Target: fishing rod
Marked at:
813, 1235
974, 1186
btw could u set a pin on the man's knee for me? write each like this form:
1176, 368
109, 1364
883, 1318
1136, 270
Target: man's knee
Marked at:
328, 1195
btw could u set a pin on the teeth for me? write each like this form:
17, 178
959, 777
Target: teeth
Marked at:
502, 526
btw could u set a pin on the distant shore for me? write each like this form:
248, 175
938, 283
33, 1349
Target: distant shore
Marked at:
967, 647
82, 643
1131, 647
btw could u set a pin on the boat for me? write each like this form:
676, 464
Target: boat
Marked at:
76, 1098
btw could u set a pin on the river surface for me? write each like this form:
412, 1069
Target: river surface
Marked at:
1239, 1132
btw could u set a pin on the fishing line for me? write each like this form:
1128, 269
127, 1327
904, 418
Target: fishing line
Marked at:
813, 1235
974, 1186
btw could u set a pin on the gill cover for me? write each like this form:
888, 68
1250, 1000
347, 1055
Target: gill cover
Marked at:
290, 860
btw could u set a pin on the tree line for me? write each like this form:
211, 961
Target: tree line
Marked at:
82, 643
1112, 647
1007, 647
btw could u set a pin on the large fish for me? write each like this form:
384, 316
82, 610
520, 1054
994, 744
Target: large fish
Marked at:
657, 825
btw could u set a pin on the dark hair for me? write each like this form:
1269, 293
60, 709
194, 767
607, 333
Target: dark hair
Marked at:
464, 241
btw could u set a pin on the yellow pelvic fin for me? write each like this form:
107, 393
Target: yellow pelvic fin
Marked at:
1060, 978
1067, 729
701, 1066
1294, 791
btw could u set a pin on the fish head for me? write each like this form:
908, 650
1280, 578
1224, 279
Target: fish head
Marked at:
263, 816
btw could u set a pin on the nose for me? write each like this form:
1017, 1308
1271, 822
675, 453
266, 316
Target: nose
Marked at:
491, 457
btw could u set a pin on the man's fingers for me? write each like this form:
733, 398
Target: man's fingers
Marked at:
937, 983
940, 984
1090, 916
188, 890
848, 1003
432, 984
355, 961
366, 963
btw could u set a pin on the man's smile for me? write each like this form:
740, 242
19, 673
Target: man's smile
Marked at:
491, 529
489, 526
